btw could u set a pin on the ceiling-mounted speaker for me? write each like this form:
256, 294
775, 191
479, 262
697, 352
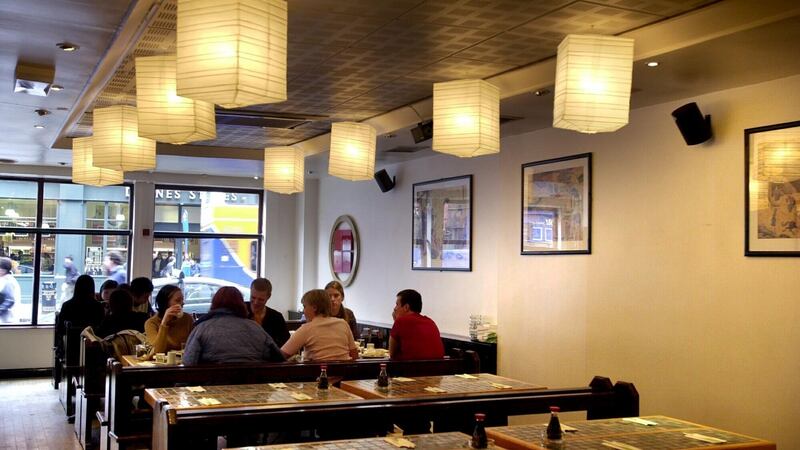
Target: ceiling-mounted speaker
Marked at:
423, 131
384, 182
694, 127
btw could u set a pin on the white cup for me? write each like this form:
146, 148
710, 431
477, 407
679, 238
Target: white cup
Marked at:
172, 357
370, 346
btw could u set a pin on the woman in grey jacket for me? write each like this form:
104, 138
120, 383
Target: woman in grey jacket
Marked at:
225, 335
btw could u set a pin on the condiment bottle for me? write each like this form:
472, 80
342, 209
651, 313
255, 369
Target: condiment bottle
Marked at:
479, 439
383, 377
322, 381
554, 438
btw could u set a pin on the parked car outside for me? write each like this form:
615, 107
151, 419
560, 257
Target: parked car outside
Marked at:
197, 291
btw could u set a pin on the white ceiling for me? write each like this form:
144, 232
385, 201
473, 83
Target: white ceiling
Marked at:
403, 47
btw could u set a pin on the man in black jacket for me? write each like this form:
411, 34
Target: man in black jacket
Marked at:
270, 320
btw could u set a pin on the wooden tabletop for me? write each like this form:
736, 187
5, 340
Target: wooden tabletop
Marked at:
437, 386
132, 360
436, 441
666, 434
232, 396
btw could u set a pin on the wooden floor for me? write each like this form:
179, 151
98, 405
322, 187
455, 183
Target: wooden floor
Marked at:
32, 418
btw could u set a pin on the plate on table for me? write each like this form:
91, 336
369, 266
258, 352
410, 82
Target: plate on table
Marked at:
375, 353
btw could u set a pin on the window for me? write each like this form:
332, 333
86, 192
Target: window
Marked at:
204, 240
47, 227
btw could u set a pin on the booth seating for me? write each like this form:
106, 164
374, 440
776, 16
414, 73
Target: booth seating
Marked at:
125, 425
69, 367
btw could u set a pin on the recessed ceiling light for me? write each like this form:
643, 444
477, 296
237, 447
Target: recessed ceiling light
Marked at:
38, 127
255, 178
541, 92
652, 64
56, 87
67, 47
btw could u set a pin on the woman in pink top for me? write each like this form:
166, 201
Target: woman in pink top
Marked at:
324, 338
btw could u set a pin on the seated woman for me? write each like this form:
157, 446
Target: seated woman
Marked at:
170, 328
335, 291
226, 335
82, 310
106, 289
121, 315
324, 338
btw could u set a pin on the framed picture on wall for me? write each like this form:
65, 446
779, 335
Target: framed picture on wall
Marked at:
772, 190
557, 206
442, 224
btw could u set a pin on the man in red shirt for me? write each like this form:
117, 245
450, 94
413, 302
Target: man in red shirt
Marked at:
413, 335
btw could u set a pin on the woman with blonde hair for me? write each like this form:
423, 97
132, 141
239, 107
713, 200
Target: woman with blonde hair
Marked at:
323, 337
335, 291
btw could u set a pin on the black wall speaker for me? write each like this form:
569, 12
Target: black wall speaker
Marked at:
695, 128
423, 131
384, 182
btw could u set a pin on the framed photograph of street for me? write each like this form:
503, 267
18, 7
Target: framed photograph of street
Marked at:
442, 224
557, 206
772, 190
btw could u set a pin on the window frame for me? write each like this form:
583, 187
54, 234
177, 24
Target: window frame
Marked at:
38, 231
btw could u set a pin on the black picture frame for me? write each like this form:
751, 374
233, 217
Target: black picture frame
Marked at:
441, 224
772, 190
556, 208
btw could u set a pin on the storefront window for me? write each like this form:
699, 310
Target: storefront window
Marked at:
226, 252
62, 255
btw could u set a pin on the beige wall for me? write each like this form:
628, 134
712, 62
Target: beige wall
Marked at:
666, 299
28, 348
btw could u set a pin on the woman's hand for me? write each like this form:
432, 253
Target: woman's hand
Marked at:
171, 314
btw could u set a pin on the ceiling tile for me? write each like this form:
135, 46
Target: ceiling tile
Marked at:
455, 68
665, 8
495, 15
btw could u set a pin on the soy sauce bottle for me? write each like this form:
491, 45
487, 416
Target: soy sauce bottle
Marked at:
322, 381
479, 439
554, 439
383, 377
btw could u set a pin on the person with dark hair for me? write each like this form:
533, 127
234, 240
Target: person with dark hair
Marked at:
113, 265
226, 335
324, 338
82, 310
121, 315
413, 335
170, 328
10, 292
142, 291
270, 320
335, 291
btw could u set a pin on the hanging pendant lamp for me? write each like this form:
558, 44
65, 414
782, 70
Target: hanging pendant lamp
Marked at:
593, 83
352, 155
163, 115
232, 52
117, 145
466, 118
284, 169
84, 172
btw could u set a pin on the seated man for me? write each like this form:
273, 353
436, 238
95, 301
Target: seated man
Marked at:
413, 335
142, 291
270, 320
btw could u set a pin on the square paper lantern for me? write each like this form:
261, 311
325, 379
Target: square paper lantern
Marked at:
117, 144
163, 115
352, 151
232, 52
284, 169
84, 172
466, 118
593, 83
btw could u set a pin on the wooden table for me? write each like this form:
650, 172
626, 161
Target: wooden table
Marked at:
438, 386
436, 441
236, 396
667, 434
133, 361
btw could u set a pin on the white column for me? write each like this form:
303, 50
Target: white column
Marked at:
143, 219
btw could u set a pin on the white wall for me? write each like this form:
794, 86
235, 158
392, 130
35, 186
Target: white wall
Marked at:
28, 348
666, 299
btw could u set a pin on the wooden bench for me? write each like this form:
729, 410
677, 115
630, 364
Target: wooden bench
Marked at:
89, 389
194, 427
70, 369
123, 425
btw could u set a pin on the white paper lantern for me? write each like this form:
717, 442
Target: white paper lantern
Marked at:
593, 83
466, 118
352, 154
779, 160
232, 52
84, 172
284, 169
163, 115
117, 145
